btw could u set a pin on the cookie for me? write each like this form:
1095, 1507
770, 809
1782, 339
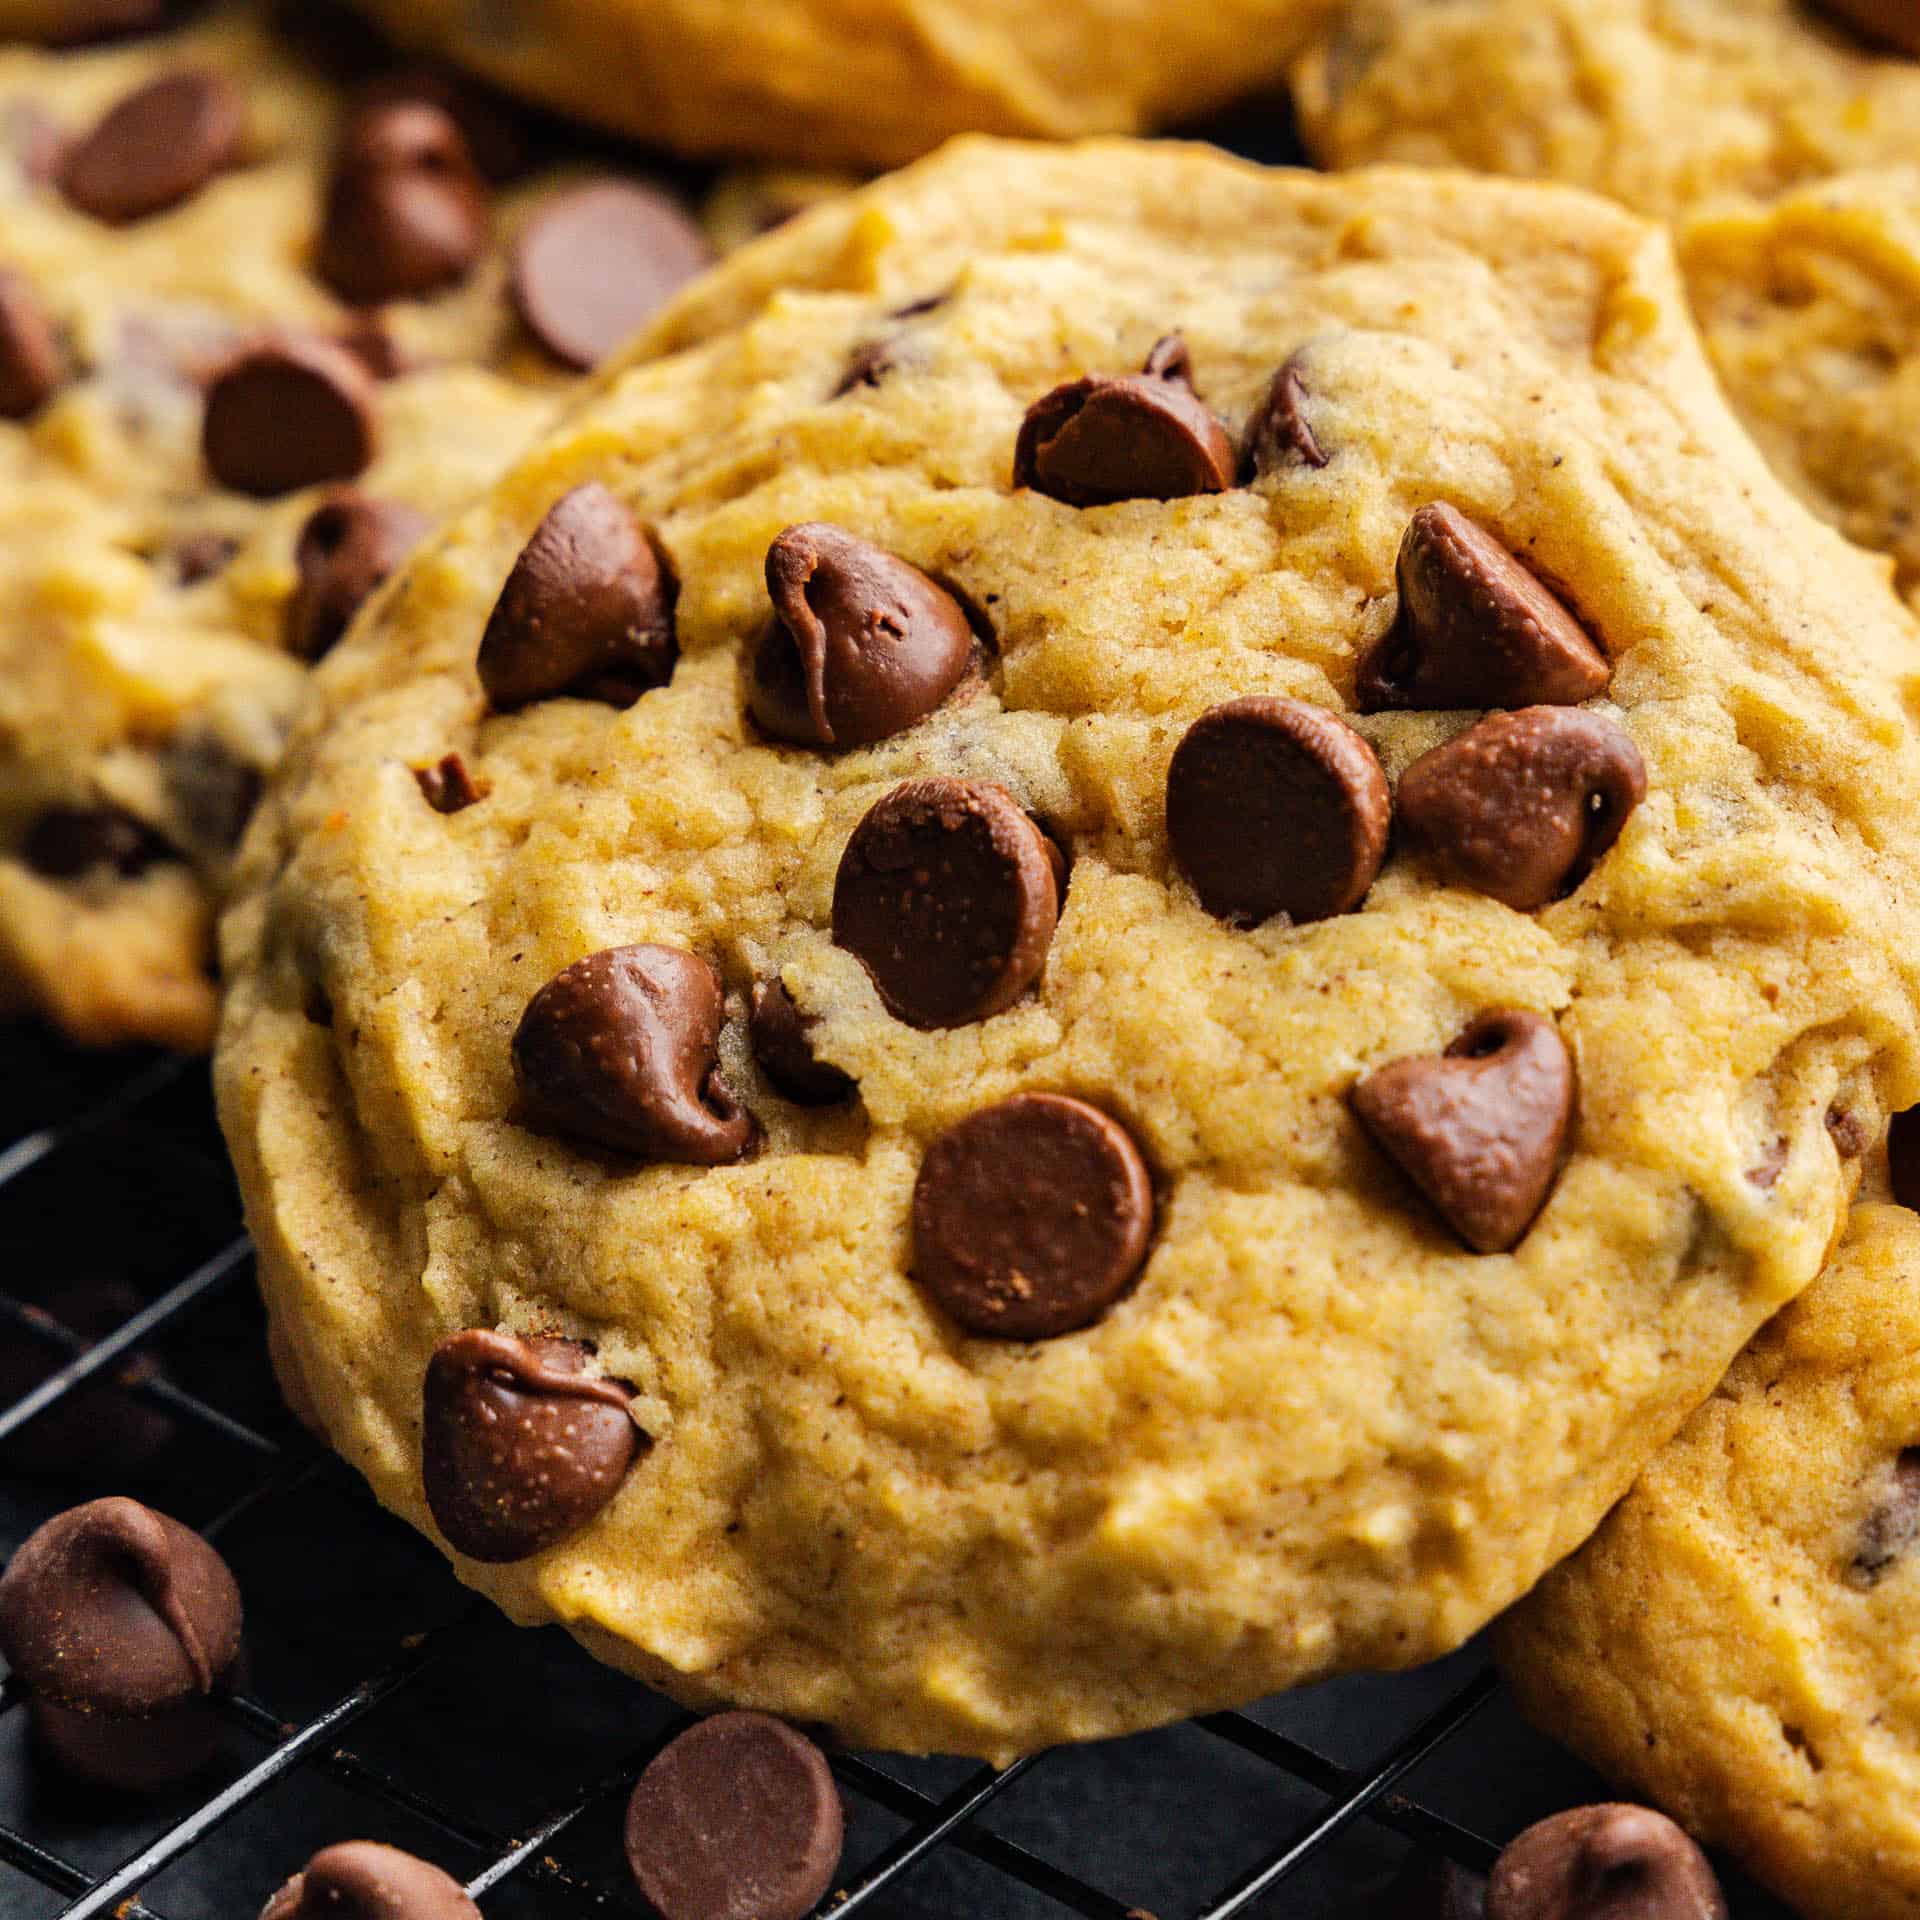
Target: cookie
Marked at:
820, 83
1735, 1642
259, 325
939, 1152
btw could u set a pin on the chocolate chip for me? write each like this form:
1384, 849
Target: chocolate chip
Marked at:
1430, 1888
737, 1819
1848, 1132
1479, 1128
595, 263
1031, 1218
868, 365
195, 557
287, 413
861, 645
947, 895
361, 1880
519, 1445
492, 125
1766, 1171
31, 368
213, 791
1274, 806
347, 548
407, 213
1888, 23
1145, 436
159, 146
1604, 1863
1892, 1523
783, 1045
587, 610
622, 1049
1523, 805
1279, 434
1903, 1157
373, 345
1475, 629
65, 842
447, 786
120, 1623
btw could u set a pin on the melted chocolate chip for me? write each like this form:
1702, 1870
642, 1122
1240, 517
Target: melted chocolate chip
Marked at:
120, 1623
1476, 629
1892, 1523
348, 547
587, 610
861, 646
1274, 806
1145, 436
621, 1049
737, 1819
1848, 1132
288, 413
520, 1446
782, 1044
870, 364
1903, 1157
1280, 434
195, 557
1031, 1218
361, 1880
594, 264
947, 894
213, 791
31, 367
1523, 805
407, 213
1888, 23
1479, 1128
447, 786
1604, 1863
159, 146
65, 842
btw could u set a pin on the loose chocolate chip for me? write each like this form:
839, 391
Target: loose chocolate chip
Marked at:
195, 557
1145, 436
30, 362
1479, 1128
947, 895
1604, 1863
65, 842
1031, 1218
520, 1446
1903, 1157
447, 786
1892, 1523
1279, 434
861, 645
407, 212
737, 1819
1274, 806
347, 548
1523, 805
1889, 23
622, 1049
587, 610
287, 413
782, 1043
593, 264
361, 1880
120, 1623
157, 147
1476, 629
1430, 1888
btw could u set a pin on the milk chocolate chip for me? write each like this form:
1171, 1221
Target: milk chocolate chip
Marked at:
1476, 629
361, 1880
31, 367
861, 645
448, 786
349, 545
519, 1445
287, 413
1604, 1863
157, 147
65, 842
621, 1049
1892, 1523
1479, 1128
1279, 434
782, 1043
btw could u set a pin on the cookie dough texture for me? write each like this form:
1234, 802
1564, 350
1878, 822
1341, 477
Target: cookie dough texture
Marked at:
1717, 1646
865, 83
1318, 1435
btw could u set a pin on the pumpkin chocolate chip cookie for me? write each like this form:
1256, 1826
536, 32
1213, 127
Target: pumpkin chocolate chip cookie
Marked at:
919, 1150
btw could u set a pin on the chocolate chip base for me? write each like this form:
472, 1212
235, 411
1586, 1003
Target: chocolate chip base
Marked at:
1087, 1220
1736, 1642
261, 322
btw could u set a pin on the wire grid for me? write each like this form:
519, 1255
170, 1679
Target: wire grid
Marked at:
285, 1467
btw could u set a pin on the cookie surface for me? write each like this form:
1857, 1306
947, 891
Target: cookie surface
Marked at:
864, 83
151, 510
1737, 1640
1268, 1418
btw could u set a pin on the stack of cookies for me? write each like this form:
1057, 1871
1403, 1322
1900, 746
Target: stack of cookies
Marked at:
1124, 930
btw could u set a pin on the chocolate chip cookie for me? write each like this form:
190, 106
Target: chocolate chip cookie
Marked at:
1736, 1640
1160, 877
262, 319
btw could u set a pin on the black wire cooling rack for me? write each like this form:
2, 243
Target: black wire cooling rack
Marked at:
383, 1702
